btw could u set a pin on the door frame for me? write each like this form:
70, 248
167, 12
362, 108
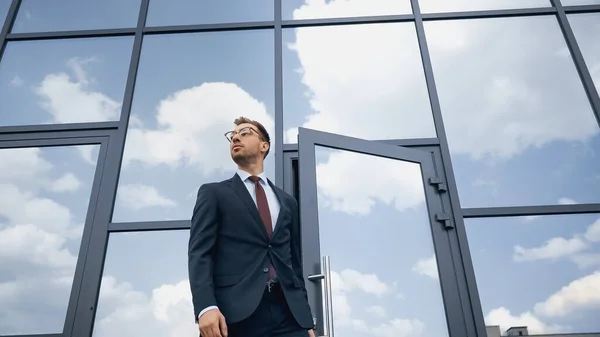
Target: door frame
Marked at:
441, 221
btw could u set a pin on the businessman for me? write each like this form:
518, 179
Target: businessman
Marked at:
244, 260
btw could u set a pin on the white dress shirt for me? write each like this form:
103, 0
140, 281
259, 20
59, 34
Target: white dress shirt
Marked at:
272, 200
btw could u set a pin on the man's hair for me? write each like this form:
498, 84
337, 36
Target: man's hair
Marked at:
261, 129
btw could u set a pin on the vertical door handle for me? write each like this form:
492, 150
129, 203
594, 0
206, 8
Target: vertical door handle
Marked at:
325, 276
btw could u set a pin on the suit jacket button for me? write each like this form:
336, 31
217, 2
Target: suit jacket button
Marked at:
270, 247
265, 270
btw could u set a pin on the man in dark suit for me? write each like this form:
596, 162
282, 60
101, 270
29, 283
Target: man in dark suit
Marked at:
244, 260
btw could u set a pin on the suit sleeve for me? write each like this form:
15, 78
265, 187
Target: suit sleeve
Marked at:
203, 235
296, 246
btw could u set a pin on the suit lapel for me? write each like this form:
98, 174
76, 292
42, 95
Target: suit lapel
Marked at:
238, 186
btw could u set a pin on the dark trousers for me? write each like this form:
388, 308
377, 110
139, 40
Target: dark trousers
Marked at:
272, 318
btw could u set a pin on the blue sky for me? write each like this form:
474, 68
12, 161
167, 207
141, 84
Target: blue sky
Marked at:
520, 130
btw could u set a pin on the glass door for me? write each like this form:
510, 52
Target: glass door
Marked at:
375, 245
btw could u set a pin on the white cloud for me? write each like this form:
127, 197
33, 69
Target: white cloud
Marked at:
67, 183
397, 183
313, 9
122, 309
38, 242
580, 294
345, 283
503, 317
377, 311
378, 72
190, 126
339, 62
586, 260
427, 267
139, 196
566, 201
72, 100
399, 328
593, 232
349, 280
552, 249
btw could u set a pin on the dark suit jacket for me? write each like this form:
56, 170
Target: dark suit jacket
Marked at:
230, 252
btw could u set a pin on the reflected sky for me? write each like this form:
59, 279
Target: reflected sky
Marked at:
44, 196
175, 140
520, 128
377, 70
44, 16
533, 271
320, 9
190, 12
393, 290
78, 80
4, 6
435, 6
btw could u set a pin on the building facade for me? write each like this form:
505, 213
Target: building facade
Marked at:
445, 156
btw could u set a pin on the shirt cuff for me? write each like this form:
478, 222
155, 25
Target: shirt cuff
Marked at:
212, 307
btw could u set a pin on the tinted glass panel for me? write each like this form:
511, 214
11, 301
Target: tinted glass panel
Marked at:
519, 125
430, 6
586, 28
186, 12
63, 81
4, 6
307, 9
541, 273
363, 81
180, 115
579, 2
376, 231
43, 16
146, 289
44, 196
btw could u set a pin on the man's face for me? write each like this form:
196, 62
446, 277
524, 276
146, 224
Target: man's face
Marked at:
246, 144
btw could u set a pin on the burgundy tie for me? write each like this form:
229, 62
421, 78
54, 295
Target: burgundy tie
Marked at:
265, 213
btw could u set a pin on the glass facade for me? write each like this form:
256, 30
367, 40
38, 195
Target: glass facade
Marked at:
112, 114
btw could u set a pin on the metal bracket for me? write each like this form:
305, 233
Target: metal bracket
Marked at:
445, 220
441, 187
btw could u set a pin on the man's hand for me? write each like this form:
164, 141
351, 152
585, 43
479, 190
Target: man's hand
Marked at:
311, 333
212, 324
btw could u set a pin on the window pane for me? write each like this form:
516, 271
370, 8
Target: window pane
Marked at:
146, 289
363, 81
579, 2
385, 279
434, 6
188, 12
80, 80
307, 9
4, 7
175, 140
519, 125
541, 272
586, 28
59, 15
44, 196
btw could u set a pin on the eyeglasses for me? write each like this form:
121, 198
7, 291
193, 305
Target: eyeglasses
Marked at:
243, 133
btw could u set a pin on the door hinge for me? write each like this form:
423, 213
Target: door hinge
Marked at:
439, 183
445, 220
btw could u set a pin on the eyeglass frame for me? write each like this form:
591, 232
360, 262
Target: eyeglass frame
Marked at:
233, 133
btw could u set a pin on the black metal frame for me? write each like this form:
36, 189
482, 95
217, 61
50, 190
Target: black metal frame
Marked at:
112, 134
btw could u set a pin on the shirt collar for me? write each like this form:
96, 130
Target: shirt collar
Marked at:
245, 175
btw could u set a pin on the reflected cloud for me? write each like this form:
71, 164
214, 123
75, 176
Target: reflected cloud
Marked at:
427, 267
397, 183
189, 123
138, 196
42, 211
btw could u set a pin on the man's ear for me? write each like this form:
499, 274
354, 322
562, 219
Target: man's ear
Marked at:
265, 146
